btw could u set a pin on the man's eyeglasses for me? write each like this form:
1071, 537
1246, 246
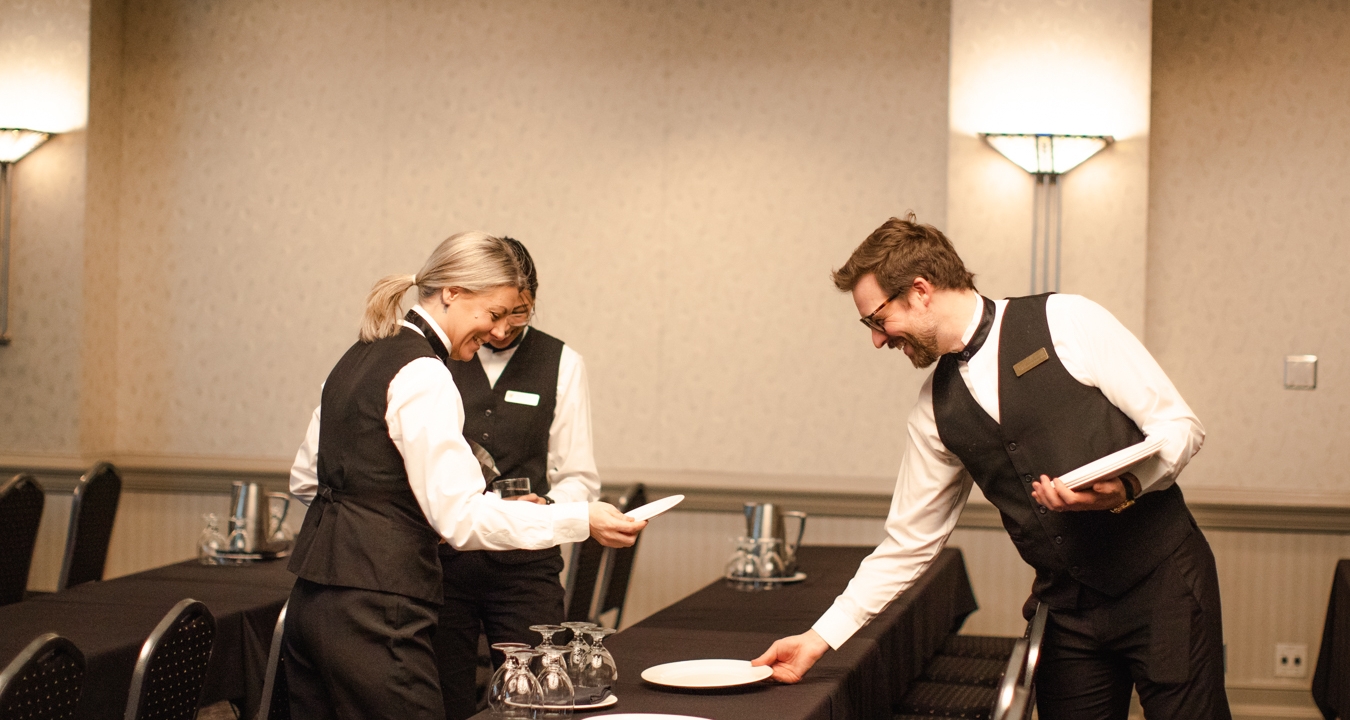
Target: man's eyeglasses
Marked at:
871, 320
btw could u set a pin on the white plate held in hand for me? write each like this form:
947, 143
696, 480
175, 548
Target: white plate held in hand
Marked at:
652, 509
706, 673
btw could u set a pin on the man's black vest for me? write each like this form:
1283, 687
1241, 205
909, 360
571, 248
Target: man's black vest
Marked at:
1050, 424
365, 529
514, 432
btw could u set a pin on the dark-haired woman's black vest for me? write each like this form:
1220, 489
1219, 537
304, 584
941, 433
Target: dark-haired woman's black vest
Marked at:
365, 529
514, 431
1050, 424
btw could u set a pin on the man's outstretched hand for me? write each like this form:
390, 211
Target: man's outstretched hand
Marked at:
791, 657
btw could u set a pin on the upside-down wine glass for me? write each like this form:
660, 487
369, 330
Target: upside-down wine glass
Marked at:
600, 670
520, 691
495, 690
557, 697
576, 658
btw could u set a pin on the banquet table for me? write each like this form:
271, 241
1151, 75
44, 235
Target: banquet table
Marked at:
1331, 681
110, 620
860, 680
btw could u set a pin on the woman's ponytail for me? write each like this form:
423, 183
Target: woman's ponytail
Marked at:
383, 306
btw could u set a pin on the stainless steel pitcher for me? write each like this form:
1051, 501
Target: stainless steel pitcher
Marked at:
764, 521
253, 525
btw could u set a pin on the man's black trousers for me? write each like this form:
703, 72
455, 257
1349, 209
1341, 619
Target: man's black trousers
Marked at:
1165, 637
496, 593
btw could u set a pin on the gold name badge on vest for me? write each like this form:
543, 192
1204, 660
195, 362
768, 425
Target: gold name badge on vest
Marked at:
1031, 361
524, 398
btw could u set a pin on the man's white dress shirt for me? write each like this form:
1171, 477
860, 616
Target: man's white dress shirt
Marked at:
933, 485
442, 471
572, 476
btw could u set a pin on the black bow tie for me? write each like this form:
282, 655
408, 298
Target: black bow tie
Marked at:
981, 332
421, 323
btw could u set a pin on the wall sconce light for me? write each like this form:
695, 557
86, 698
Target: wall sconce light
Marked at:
1046, 157
14, 145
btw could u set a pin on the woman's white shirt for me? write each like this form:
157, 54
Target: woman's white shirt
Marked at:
442, 471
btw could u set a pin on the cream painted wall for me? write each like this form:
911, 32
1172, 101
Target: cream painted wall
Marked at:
1248, 259
686, 175
1033, 66
44, 65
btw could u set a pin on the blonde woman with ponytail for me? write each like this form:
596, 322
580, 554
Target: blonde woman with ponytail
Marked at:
388, 475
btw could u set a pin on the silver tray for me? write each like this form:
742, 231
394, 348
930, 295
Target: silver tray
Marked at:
230, 557
795, 578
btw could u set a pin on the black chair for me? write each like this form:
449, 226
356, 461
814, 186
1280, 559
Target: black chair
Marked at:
91, 522
616, 568
43, 682
583, 577
276, 693
978, 677
171, 671
21, 501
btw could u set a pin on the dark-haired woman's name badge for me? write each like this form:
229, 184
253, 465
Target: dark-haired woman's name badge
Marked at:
1025, 365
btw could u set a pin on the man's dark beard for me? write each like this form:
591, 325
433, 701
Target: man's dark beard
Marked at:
924, 348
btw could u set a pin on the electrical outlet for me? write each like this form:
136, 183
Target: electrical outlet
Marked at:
1291, 660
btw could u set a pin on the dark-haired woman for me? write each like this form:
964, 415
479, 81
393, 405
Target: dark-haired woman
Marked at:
389, 475
526, 402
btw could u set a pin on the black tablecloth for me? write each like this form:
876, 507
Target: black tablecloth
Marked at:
109, 621
1331, 681
860, 680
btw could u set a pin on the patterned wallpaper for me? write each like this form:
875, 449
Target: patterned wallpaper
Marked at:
43, 80
1249, 205
685, 173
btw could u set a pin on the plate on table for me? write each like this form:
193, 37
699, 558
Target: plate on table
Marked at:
794, 578
609, 701
706, 673
654, 508
650, 716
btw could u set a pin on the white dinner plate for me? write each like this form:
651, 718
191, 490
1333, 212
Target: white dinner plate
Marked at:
607, 702
652, 509
706, 673
650, 716
796, 578
1112, 465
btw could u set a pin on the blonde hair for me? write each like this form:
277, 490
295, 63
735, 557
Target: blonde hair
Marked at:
474, 261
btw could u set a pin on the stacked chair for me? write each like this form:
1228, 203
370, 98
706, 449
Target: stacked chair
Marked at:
978, 677
21, 502
597, 576
43, 682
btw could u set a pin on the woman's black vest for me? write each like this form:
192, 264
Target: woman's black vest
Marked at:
511, 420
365, 529
1050, 424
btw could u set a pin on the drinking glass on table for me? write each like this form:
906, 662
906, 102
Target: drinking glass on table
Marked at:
576, 658
511, 487
498, 685
547, 632
600, 670
556, 694
770, 554
518, 691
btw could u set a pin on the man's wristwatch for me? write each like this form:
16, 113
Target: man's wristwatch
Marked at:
1129, 495
548, 500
